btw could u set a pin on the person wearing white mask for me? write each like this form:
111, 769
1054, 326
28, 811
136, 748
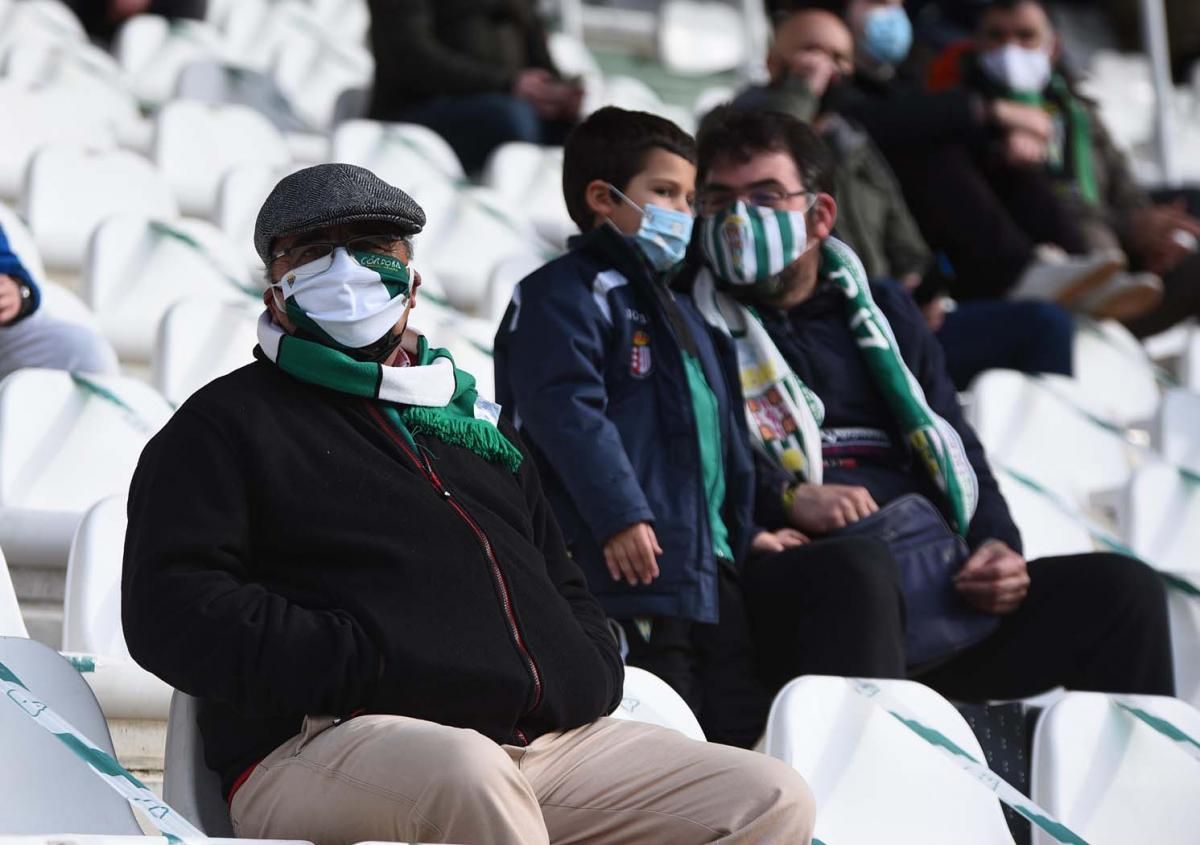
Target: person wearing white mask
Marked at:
1016, 56
347, 557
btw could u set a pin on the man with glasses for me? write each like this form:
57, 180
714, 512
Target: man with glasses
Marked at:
348, 559
849, 393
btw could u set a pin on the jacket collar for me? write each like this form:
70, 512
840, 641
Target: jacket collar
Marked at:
609, 247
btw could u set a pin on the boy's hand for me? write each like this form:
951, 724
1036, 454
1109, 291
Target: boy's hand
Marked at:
770, 542
631, 553
822, 508
994, 579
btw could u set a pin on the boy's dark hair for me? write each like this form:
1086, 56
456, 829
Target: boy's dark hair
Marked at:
739, 134
611, 145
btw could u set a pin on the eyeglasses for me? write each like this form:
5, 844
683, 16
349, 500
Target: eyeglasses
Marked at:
316, 257
709, 202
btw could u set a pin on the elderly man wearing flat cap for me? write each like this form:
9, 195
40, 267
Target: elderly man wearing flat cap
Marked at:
347, 558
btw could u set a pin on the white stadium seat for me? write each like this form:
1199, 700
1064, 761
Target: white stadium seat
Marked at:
39, 22
46, 788
199, 340
648, 698
1027, 425
478, 232
12, 624
46, 117
700, 37
153, 51
1047, 529
65, 443
92, 604
874, 779
138, 267
1106, 354
1112, 778
241, 194
196, 143
505, 277
1177, 428
530, 177
70, 192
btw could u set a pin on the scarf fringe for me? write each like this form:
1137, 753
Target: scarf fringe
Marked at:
481, 438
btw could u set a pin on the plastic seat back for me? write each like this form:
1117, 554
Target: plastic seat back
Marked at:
193, 789
68, 441
1106, 353
1046, 528
700, 38
92, 604
200, 340
12, 624
44, 786
1028, 426
138, 267
70, 192
530, 177
876, 780
46, 117
648, 698
153, 52
1111, 777
197, 143
1178, 430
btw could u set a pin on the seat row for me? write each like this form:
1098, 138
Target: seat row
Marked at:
887, 761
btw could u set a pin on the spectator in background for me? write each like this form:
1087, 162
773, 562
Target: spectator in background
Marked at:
31, 338
478, 72
370, 596
1016, 57
813, 49
934, 142
890, 427
102, 18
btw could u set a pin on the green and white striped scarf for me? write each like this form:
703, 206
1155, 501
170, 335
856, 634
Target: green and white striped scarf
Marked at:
785, 416
433, 397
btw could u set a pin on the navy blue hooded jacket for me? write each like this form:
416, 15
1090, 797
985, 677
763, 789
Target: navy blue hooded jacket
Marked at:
816, 341
589, 361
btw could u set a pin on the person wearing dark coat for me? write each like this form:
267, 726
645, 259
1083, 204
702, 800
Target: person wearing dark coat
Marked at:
345, 554
477, 72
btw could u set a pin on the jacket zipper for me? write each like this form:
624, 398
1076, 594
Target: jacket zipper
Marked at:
501, 583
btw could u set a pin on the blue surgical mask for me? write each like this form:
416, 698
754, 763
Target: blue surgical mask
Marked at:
887, 34
664, 234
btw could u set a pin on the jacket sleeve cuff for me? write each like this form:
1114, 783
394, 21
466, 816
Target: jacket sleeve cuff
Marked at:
604, 528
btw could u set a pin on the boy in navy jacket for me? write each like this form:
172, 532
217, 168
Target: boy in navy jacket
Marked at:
634, 414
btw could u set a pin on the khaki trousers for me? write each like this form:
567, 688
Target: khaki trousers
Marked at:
613, 781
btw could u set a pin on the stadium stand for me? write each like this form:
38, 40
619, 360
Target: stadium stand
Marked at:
202, 119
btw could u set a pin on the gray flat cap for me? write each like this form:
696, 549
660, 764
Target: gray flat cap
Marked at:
329, 194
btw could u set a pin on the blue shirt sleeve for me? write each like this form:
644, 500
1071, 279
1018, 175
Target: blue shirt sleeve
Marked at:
10, 265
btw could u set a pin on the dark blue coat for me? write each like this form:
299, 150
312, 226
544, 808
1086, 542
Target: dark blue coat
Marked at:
589, 362
10, 265
816, 341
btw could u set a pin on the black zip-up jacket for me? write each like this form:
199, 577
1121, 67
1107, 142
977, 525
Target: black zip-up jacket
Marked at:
288, 555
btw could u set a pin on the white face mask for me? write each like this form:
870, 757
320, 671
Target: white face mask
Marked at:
1018, 68
355, 301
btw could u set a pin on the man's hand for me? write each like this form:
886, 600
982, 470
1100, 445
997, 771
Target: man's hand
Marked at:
1024, 149
770, 542
994, 579
1159, 235
10, 299
1012, 117
934, 312
631, 553
552, 98
822, 508
816, 67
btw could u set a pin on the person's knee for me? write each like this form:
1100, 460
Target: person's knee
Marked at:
1051, 329
1130, 582
787, 809
474, 767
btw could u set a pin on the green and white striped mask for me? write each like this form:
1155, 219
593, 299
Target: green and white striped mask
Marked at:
748, 246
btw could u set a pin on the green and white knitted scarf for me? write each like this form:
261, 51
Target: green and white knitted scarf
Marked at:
433, 397
785, 416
